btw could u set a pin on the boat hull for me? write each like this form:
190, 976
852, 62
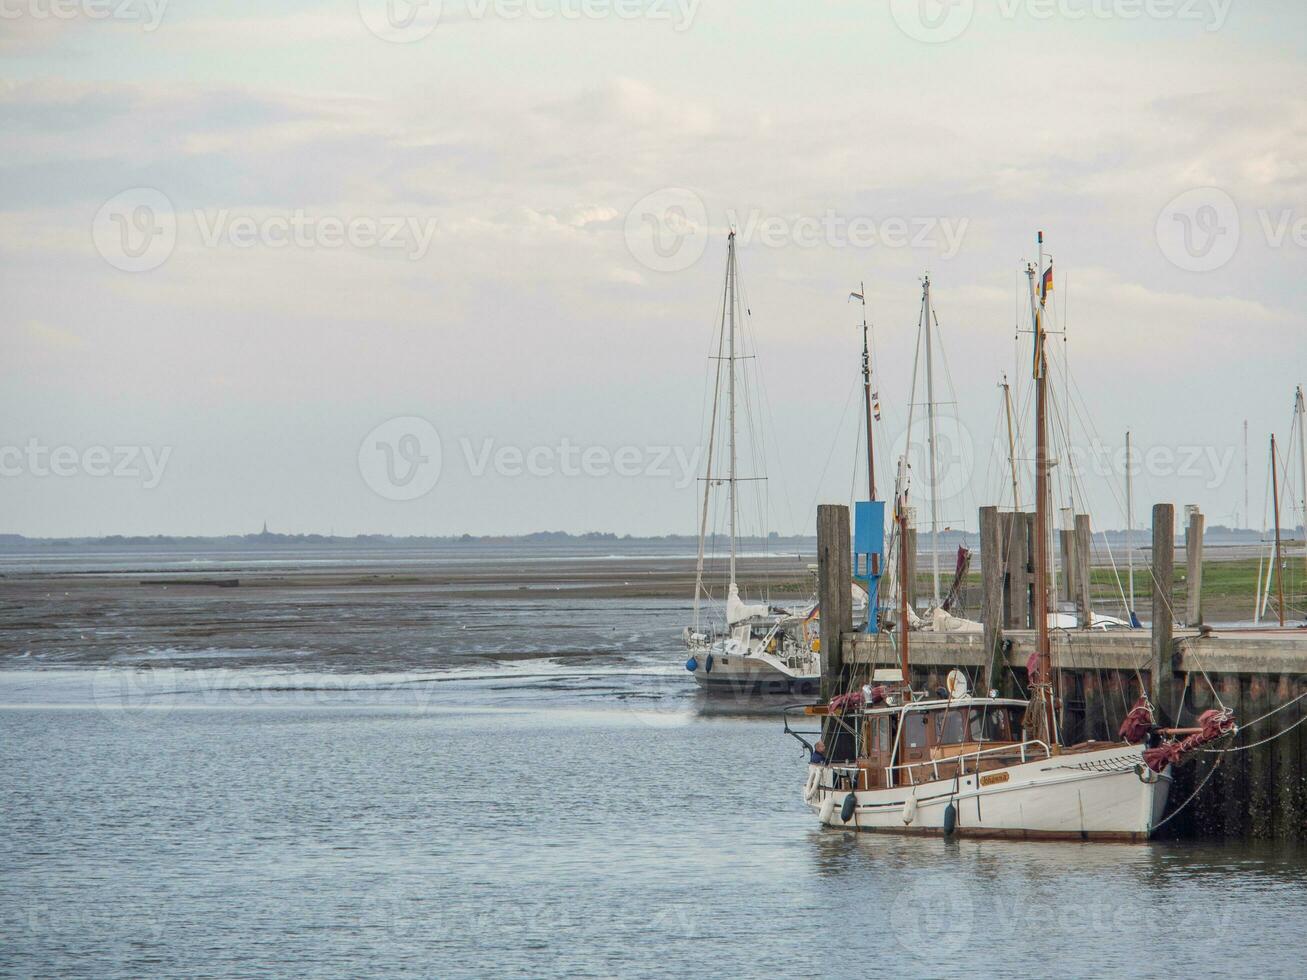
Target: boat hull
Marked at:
1105, 794
752, 675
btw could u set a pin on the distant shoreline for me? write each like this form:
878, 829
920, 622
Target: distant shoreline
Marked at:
584, 543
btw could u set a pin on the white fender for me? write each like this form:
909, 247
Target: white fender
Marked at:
909, 810
810, 788
827, 814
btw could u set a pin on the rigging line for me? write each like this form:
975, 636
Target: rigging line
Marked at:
969, 497
1185, 647
1273, 711
1244, 748
1178, 810
712, 429
853, 387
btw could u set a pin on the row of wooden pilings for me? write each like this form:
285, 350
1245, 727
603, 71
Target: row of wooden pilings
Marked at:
1259, 787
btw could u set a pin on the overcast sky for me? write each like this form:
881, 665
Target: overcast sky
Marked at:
277, 260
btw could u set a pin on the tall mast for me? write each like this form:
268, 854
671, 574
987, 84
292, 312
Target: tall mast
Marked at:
866, 392
1247, 514
930, 436
1129, 527
1279, 565
901, 508
1011, 444
1043, 691
1300, 408
712, 440
730, 306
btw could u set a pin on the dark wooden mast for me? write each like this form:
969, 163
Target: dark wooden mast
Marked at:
1042, 690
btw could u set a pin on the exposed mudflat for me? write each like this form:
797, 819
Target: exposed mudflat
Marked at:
340, 616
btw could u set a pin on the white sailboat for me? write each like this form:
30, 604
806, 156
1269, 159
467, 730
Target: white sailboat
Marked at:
759, 647
894, 759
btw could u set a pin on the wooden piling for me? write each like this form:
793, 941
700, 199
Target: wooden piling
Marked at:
1065, 587
1160, 669
834, 575
1193, 550
1083, 542
1020, 569
992, 578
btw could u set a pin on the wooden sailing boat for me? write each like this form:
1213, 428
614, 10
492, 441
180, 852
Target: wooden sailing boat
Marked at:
895, 759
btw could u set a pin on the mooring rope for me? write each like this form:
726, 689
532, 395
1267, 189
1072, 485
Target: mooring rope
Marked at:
1269, 738
1176, 812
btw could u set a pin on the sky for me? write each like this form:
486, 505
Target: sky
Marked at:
367, 266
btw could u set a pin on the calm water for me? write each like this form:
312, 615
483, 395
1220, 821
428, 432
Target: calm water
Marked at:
550, 817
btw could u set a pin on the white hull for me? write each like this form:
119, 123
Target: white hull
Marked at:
1081, 795
756, 672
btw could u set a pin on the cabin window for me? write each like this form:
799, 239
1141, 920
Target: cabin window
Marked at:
951, 726
882, 739
988, 725
1016, 716
915, 726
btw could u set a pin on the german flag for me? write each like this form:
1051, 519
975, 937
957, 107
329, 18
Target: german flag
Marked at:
1047, 286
